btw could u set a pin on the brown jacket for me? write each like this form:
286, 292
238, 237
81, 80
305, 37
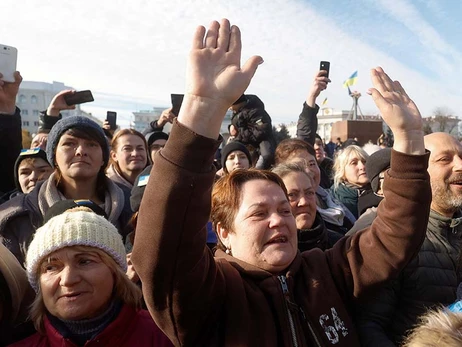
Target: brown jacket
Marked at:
199, 300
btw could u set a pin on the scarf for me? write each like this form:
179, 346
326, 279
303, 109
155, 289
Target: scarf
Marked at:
331, 210
114, 199
116, 176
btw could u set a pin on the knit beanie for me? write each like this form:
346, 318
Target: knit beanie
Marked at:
77, 227
138, 188
78, 122
375, 164
231, 147
156, 135
27, 153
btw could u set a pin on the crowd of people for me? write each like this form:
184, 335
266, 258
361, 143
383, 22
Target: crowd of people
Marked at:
153, 239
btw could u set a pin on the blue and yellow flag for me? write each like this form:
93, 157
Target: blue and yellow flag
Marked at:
324, 102
351, 80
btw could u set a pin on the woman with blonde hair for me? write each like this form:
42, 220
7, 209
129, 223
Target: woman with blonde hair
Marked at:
129, 156
76, 264
350, 178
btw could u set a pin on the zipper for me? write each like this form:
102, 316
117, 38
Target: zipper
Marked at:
318, 343
285, 290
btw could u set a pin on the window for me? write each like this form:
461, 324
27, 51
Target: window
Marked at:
25, 112
35, 113
33, 99
25, 123
22, 99
36, 123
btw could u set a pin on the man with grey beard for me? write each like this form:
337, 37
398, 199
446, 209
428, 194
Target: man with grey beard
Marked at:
432, 277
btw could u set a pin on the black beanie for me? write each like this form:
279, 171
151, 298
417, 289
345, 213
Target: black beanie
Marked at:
231, 147
65, 205
156, 135
27, 153
375, 164
138, 188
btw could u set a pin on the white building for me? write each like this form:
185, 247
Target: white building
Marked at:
34, 97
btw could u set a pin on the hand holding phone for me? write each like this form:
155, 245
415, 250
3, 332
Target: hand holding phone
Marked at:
325, 65
111, 118
8, 60
78, 97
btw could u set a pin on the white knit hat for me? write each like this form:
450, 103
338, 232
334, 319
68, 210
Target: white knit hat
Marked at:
74, 228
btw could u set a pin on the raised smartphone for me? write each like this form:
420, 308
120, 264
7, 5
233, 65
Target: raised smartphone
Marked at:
177, 100
8, 61
325, 65
111, 118
78, 97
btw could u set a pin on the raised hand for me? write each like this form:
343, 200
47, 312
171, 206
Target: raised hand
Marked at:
167, 116
8, 92
215, 78
399, 112
319, 84
58, 103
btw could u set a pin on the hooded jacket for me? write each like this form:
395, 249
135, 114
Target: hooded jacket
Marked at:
199, 300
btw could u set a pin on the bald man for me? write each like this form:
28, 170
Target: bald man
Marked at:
432, 277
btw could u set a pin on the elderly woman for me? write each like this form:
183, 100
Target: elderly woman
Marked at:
259, 290
350, 178
311, 230
76, 264
129, 156
78, 151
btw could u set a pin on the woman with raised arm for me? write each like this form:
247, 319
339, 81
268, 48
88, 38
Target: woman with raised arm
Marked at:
259, 290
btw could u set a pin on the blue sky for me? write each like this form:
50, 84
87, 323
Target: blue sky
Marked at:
132, 55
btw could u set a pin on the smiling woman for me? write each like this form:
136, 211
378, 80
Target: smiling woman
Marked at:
76, 264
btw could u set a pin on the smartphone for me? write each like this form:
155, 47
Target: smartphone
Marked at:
78, 97
111, 117
325, 65
177, 100
8, 60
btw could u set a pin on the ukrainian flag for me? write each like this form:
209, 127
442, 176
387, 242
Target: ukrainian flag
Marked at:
351, 80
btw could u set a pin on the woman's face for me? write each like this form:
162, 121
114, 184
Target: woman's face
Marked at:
79, 158
156, 146
264, 232
309, 162
31, 171
130, 153
75, 283
355, 171
236, 160
302, 198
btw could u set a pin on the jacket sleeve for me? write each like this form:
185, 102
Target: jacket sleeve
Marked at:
155, 127
182, 285
307, 124
46, 122
374, 316
372, 256
10, 147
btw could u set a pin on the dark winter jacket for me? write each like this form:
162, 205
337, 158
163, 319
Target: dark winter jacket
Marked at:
130, 328
10, 147
327, 173
20, 217
318, 236
46, 122
201, 300
253, 123
431, 278
307, 124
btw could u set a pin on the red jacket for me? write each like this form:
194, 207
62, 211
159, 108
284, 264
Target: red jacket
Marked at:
131, 328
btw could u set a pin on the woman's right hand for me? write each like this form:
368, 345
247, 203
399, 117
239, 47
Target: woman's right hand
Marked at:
215, 79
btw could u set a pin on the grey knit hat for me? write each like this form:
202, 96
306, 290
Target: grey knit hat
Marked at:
72, 122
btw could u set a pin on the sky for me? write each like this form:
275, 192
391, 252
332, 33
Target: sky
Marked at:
132, 54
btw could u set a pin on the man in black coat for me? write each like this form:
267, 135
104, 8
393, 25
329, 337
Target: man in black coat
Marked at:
253, 125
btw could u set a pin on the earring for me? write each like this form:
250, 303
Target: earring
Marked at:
228, 251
